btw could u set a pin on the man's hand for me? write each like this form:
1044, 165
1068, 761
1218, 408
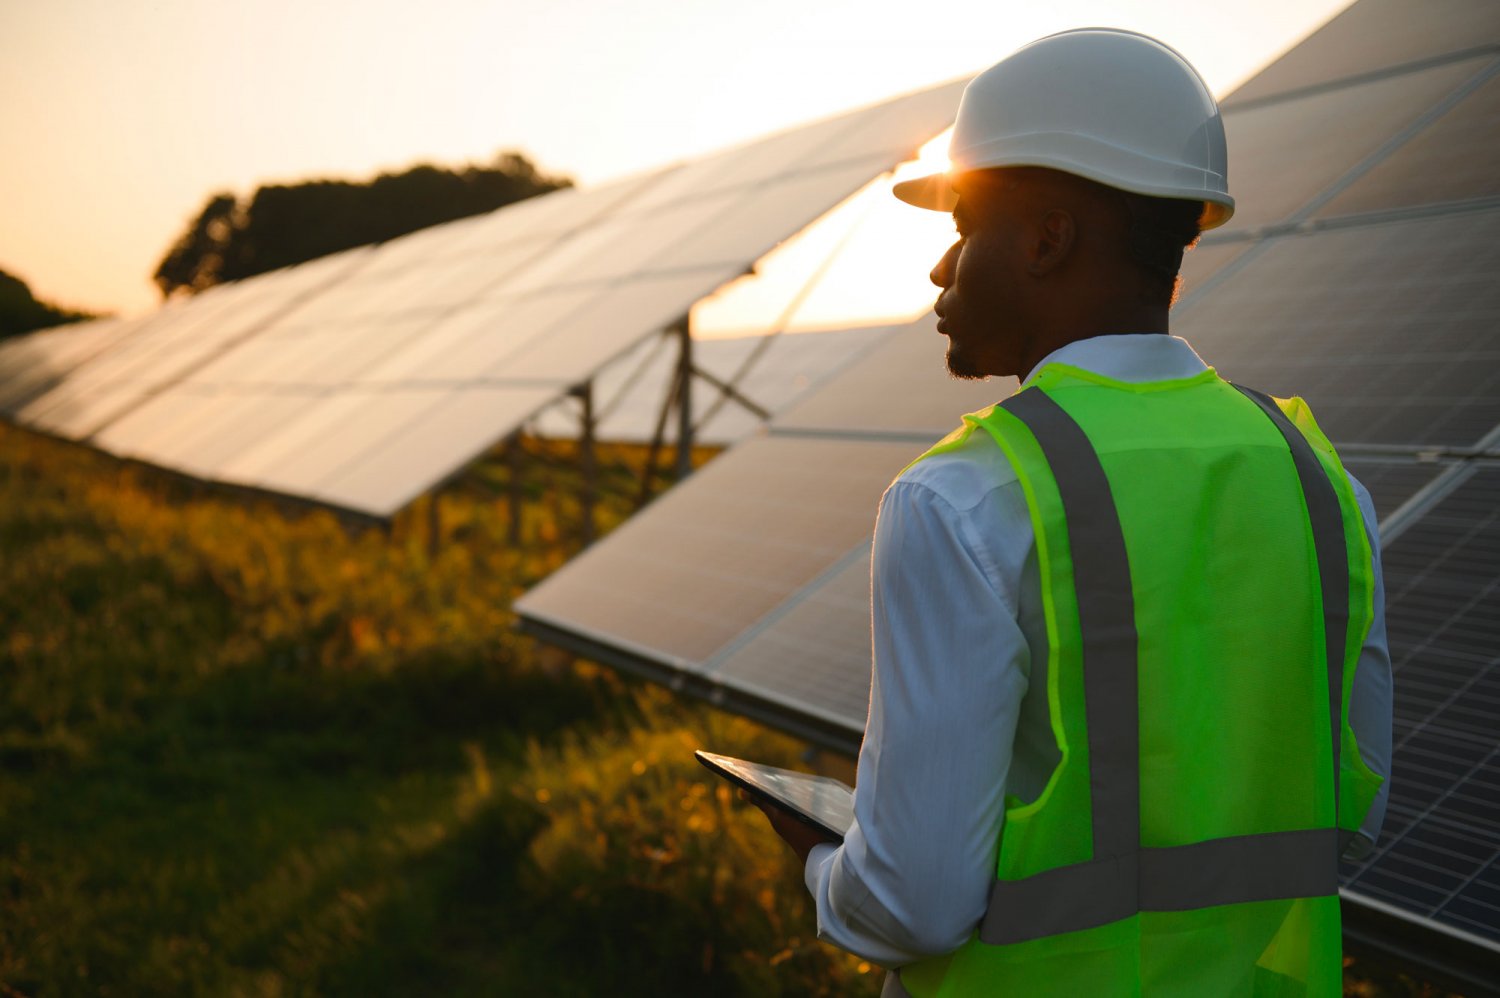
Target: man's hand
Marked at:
794, 832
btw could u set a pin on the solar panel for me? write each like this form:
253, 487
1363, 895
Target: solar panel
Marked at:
1450, 160
811, 654
195, 427
617, 247
886, 132
174, 342
470, 342
1438, 852
33, 365
719, 552
1284, 153
275, 380
1386, 329
608, 323
750, 582
199, 439
435, 439
898, 389
763, 216
1373, 35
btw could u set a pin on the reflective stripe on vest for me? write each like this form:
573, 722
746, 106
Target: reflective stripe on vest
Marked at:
1125, 878
1333, 561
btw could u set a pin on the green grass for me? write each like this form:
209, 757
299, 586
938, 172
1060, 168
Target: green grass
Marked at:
247, 752
250, 752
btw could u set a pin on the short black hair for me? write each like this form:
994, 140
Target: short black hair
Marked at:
1158, 230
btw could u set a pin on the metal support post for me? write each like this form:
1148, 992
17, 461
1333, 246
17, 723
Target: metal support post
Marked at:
684, 400
658, 436
588, 465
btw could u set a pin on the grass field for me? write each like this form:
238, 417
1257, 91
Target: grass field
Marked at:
246, 751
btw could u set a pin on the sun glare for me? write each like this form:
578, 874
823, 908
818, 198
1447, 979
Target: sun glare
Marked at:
931, 158
865, 263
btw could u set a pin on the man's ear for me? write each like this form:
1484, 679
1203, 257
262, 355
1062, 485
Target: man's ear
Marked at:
1054, 238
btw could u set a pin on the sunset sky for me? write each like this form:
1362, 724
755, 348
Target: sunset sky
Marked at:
120, 118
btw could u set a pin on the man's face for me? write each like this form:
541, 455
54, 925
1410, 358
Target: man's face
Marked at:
983, 305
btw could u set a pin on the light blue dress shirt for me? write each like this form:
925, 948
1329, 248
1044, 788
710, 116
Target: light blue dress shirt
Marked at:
958, 706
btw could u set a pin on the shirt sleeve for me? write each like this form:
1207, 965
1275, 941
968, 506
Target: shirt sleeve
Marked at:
1370, 698
912, 878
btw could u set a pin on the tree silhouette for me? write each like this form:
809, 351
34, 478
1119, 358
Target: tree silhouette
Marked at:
195, 259
285, 224
20, 312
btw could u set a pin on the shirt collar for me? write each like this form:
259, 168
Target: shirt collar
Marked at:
1129, 357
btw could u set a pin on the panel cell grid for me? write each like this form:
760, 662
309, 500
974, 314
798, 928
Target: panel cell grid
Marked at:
1285, 153
721, 551
436, 439
1392, 481
813, 654
1460, 148
33, 365
608, 322
1438, 852
1387, 330
900, 387
894, 130
1375, 34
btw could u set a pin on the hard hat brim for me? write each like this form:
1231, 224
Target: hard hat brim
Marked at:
933, 192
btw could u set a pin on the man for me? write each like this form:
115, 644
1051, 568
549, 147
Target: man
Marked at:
1130, 694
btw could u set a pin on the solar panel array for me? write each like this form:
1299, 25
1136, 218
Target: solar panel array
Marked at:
768, 372
1359, 272
364, 379
732, 567
1438, 851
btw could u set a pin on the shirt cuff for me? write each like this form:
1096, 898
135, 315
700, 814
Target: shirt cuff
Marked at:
820, 856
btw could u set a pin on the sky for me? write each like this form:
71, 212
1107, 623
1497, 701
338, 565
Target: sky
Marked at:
119, 118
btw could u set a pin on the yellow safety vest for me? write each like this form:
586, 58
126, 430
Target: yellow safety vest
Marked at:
1207, 587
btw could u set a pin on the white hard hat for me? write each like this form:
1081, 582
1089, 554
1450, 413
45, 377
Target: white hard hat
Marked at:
1114, 106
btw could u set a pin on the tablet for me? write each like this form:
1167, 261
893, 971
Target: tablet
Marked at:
820, 801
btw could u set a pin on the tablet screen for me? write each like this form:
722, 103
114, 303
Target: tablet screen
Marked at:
820, 800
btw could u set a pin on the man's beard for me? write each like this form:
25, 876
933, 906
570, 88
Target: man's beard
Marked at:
960, 368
